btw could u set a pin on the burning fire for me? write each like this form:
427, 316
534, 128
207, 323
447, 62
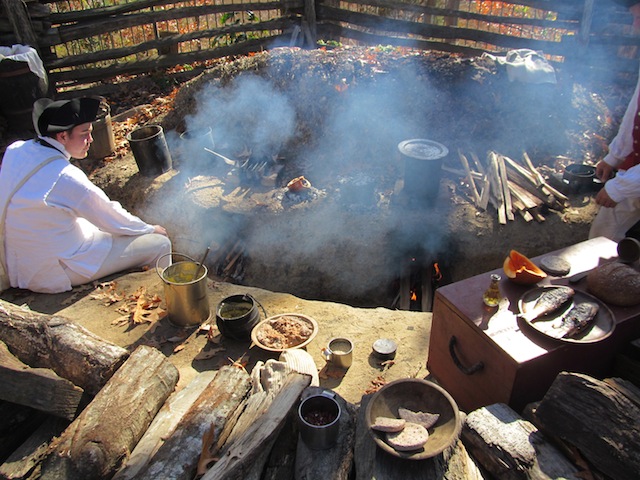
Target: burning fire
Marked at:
437, 274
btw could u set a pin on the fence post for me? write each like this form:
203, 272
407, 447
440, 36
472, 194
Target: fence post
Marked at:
19, 20
311, 30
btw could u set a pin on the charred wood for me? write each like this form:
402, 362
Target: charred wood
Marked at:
70, 350
97, 442
38, 388
177, 458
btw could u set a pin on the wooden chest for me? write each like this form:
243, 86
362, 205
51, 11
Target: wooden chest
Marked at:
482, 356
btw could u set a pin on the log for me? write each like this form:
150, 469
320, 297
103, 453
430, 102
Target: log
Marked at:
70, 350
598, 418
178, 457
502, 172
17, 423
38, 388
509, 447
96, 443
335, 462
373, 463
23, 461
163, 425
247, 455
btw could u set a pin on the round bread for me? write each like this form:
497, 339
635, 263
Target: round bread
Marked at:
387, 424
615, 283
426, 419
412, 437
555, 265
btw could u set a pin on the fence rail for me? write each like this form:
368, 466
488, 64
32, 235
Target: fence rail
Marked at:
95, 40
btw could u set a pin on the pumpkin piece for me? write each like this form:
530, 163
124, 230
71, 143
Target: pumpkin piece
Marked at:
519, 269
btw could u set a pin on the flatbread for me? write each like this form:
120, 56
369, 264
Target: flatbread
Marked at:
388, 424
411, 437
426, 419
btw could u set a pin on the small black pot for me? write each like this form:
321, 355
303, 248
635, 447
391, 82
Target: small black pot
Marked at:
237, 315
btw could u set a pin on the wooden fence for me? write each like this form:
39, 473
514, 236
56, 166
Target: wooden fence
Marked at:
96, 40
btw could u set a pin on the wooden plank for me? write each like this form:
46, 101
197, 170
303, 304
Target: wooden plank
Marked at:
505, 187
503, 443
24, 460
177, 458
496, 187
163, 425
93, 446
70, 350
38, 388
238, 459
465, 165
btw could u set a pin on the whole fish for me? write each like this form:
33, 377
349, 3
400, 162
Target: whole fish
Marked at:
579, 318
551, 300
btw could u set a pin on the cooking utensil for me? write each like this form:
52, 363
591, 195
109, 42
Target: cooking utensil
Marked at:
201, 264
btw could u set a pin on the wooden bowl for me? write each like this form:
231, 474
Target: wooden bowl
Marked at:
419, 396
304, 318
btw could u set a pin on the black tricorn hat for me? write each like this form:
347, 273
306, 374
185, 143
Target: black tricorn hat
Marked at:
50, 117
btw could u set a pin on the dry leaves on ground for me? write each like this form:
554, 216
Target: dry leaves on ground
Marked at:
140, 308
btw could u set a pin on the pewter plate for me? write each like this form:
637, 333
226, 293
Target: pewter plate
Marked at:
549, 325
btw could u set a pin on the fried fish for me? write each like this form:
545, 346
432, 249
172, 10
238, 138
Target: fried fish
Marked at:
551, 300
579, 318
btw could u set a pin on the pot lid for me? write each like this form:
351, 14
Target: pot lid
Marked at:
423, 149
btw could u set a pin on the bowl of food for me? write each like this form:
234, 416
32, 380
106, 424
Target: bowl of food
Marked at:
413, 419
284, 331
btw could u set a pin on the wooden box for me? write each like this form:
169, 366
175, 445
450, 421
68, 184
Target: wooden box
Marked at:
482, 356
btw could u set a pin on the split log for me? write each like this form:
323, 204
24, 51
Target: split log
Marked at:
38, 388
465, 165
24, 460
17, 423
96, 443
163, 425
70, 350
178, 457
509, 447
506, 194
335, 462
373, 463
245, 458
496, 187
599, 418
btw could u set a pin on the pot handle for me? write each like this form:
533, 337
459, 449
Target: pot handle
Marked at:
167, 254
466, 370
247, 295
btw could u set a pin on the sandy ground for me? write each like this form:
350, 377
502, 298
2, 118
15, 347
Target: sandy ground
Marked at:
93, 308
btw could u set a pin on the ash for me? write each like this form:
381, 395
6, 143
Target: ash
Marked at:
289, 198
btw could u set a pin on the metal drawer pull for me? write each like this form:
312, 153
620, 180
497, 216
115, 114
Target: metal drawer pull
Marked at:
466, 370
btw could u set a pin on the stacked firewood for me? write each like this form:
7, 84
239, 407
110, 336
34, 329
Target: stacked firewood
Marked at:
510, 187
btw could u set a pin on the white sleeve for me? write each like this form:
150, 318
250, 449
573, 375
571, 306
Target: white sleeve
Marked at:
74, 192
622, 145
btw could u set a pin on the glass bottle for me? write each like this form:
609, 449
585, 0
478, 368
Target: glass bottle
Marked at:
491, 297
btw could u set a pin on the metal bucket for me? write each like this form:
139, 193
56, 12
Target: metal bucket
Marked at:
185, 290
103, 143
422, 168
237, 315
150, 150
319, 420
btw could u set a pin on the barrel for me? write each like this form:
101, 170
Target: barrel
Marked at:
19, 88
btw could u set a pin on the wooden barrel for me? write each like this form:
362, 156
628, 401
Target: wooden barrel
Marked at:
19, 88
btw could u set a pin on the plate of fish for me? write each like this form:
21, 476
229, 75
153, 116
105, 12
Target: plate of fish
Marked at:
565, 314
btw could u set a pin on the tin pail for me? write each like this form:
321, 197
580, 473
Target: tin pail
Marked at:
422, 168
237, 315
319, 420
150, 150
103, 143
185, 291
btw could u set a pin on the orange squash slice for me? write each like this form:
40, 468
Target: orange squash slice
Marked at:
519, 269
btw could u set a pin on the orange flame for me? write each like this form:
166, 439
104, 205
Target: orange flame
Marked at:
414, 297
437, 272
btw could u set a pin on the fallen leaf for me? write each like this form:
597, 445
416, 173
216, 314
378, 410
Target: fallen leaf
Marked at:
210, 353
179, 347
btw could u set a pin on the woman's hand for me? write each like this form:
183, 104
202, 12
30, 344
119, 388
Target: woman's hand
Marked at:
603, 199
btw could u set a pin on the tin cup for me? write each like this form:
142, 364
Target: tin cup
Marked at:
339, 352
319, 420
628, 250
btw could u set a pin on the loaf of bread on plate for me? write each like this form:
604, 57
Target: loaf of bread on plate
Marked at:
615, 283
